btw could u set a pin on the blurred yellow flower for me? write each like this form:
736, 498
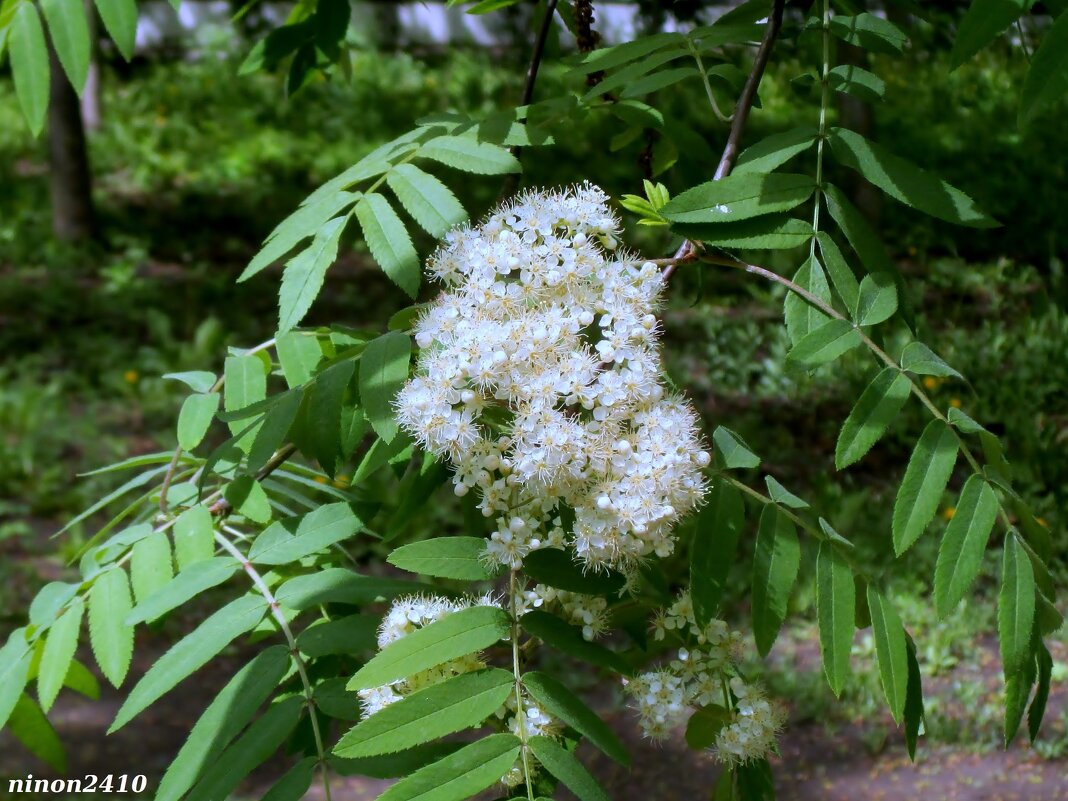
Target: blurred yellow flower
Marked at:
341, 482
131, 376
321, 480
930, 382
949, 512
955, 403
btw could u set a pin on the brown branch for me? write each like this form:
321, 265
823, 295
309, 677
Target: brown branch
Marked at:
222, 506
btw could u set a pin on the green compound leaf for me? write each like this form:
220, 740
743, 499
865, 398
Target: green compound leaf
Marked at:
775, 565
120, 20
555, 632
1047, 80
383, 370
858, 82
876, 409
286, 541
559, 701
890, 652
69, 30
739, 197
775, 150
964, 543
845, 282
227, 714
459, 775
835, 610
58, 653
715, 545
926, 477
1016, 607
458, 634
562, 764
428, 200
470, 155
110, 636
194, 419
151, 567
303, 277
189, 583
732, 450
825, 344
462, 702
920, 359
445, 557
191, 653
801, 316
869, 32
904, 181
389, 242
983, 22
876, 300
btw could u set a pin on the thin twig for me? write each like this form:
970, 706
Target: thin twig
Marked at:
168, 477
222, 506
520, 712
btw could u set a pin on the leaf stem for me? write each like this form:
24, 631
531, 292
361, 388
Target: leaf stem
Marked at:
291, 641
822, 134
520, 712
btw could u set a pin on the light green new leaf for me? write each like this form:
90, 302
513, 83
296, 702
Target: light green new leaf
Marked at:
926, 477
982, 23
444, 557
567, 638
29, 64
253, 748
964, 543
120, 19
715, 544
876, 409
458, 634
303, 276
869, 32
732, 450
825, 344
739, 197
194, 419
835, 610
249, 499
462, 702
286, 541
470, 155
58, 652
15, 659
191, 653
299, 225
69, 29
559, 701
299, 354
775, 565
773, 151
1047, 80
194, 536
197, 380
109, 634
383, 370
890, 652
858, 82
389, 241
1016, 607
190, 582
920, 359
459, 775
150, 565
246, 384
428, 200
801, 316
904, 181
771, 232
227, 714
562, 764
876, 300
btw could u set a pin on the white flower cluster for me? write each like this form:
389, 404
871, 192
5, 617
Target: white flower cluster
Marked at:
405, 616
699, 677
539, 378
588, 612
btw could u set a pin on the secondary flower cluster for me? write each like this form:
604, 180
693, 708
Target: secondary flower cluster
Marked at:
700, 675
588, 612
405, 616
539, 377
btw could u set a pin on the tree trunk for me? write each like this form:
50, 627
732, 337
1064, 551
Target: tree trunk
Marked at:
73, 216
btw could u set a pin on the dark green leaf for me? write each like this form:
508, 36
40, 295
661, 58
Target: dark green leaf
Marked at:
876, 300
337, 585
322, 422
782, 496
825, 344
845, 282
1047, 80
303, 276
775, 150
801, 316
913, 701
869, 32
383, 370
982, 23
890, 651
559, 701
388, 240
732, 450
562, 764
459, 775
30, 727
556, 633
348, 635
771, 232
858, 82
1016, 607
704, 726
775, 565
1037, 710
835, 610
445, 557
715, 545
926, 477
286, 541
739, 197
246, 384
876, 409
294, 785
558, 569
964, 543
